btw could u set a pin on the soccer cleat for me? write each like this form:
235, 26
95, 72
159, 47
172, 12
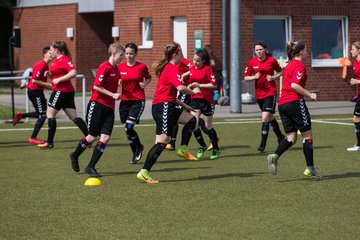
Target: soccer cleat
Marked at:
261, 148
74, 162
272, 163
145, 175
17, 118
312, 173
35, 141
184, 152
92, 172
201, 152
353, 148
170, 147
45, 145
137, 155
215, 154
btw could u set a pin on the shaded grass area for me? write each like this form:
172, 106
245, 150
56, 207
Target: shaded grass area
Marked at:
233, 197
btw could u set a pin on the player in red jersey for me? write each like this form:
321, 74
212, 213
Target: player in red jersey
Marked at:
135, 77
261, 69
293, 110
355, 53
35, 89
202, 76
164, 109
100, 110
183, 67
62, 70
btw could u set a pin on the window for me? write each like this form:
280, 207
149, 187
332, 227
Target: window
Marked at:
275, 31
147, 39
329, 41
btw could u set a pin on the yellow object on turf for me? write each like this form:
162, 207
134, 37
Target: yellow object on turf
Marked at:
298, 132
92, 182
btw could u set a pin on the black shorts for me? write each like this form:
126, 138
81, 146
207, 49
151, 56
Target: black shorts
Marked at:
61, 100
267, 104
131, 110
295, 116
166, 116
184, 98
38, 100
204, 106
100, 119
357, 108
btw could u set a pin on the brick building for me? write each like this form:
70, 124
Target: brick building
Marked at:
327, 27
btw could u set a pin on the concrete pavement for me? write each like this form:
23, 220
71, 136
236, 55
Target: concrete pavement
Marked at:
248, 110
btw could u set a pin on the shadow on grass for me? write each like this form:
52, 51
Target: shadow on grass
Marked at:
327, 177
211, 177
104, 174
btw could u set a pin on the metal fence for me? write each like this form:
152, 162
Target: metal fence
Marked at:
27, 102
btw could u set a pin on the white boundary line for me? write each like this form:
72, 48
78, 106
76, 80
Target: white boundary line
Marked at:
226, 121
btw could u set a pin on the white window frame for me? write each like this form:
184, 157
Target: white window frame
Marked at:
146, 27
345, 37
288, 25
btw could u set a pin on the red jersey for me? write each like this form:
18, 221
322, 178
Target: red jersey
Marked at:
131, 76
356, 69
107, 76
60, 67
184, 67
203, 75
294, 72
263, 88
38, 74
168, 82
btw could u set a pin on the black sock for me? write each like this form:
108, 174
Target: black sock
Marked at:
213, 138
30, 115
202, 126
264, 133
357, 132
174, 132
187, 131
97, 153
199, 137
283, 146
153, 155
51, 130
275, 127
38, 125
308, 152
132, 136
81, 125
83, 144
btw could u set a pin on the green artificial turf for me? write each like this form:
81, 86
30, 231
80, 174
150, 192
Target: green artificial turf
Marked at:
232, 197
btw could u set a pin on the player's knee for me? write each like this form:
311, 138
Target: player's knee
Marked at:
129, 129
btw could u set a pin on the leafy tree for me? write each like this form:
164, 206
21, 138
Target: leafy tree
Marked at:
6, 19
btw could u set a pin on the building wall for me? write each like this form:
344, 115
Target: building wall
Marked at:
128, 14
326, 79
42, 25
39, 27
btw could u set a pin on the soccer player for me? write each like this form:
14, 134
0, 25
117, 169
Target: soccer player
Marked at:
35, 88
293, 110
202, 77
261, 69
100, 110
163, 107
355, 53
62, 70
135, 77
